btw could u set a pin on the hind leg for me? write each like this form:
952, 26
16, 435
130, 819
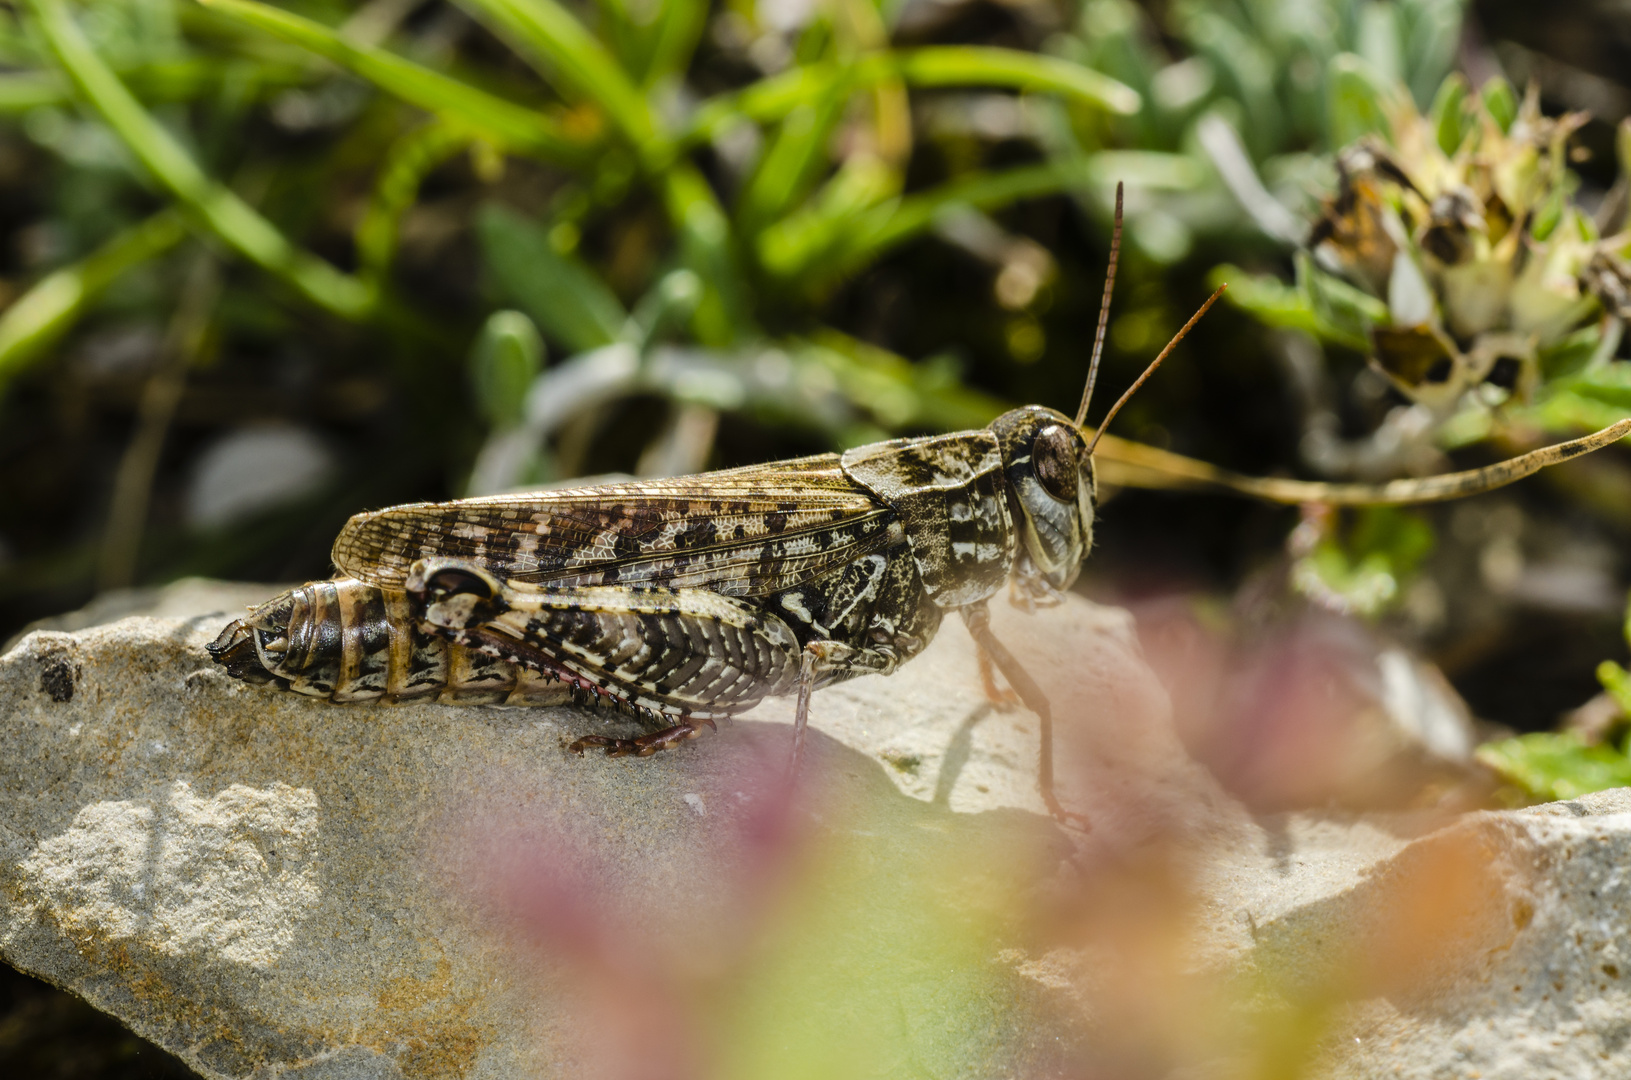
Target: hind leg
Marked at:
645, 745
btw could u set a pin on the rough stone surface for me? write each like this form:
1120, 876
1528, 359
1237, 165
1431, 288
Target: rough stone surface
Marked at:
276, 887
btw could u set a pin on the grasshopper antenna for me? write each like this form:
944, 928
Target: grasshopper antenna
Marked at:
1176, 338
1104, 314
1152, 468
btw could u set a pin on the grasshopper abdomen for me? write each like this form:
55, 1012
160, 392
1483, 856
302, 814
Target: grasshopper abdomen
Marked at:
344, 641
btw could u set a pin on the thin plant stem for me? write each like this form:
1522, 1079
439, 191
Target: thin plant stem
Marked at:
133, 483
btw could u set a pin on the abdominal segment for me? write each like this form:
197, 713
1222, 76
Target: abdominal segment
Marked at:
346, 641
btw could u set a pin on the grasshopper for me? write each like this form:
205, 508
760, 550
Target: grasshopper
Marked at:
691, 599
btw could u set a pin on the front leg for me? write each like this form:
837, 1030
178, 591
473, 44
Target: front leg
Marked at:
819, 658
1001, 698
978, 620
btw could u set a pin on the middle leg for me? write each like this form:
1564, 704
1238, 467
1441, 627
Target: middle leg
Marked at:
646, 745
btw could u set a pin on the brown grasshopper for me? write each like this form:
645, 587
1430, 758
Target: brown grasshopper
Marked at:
690, 599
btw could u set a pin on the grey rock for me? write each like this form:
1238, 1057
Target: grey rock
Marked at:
271, 886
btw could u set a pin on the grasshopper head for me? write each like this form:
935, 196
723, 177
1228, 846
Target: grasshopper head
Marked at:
1051, 488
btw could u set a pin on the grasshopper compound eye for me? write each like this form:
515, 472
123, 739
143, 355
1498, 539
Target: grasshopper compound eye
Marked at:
1053, 456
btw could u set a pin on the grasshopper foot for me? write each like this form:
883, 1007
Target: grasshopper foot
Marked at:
645, 745
1002, 698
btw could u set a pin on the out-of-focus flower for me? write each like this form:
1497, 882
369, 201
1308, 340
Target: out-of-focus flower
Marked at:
1311, 710
1460, 229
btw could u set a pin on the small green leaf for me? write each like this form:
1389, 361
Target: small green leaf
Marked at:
507, 356
1570, 355
1617, 681
1448, 117
1271, 301
1609, 384
1402, 536
1501, 102
1346, 311
1556, 766
562, 294
1550, 213
1364, 571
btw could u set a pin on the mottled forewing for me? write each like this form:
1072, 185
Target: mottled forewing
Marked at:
948, 491
738, 532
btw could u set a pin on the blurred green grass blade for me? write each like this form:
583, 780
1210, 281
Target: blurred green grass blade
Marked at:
180, 80
24, 90
678, 29
862, 239
553, 39
508, 124
899, 393
790, 165
561, 294
1379, 39
1342, 308
555, 42
809, 236
762, 101
1609, 384
1274, 303
724, 314
407, 163
38, 318
1617, 681
215, 207
930, 66
973, 65
616, 30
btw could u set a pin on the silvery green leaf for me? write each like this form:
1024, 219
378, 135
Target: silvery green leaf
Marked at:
507, 356
1379, 40
1229, 157
667, 305
1357, 101
1409, 299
